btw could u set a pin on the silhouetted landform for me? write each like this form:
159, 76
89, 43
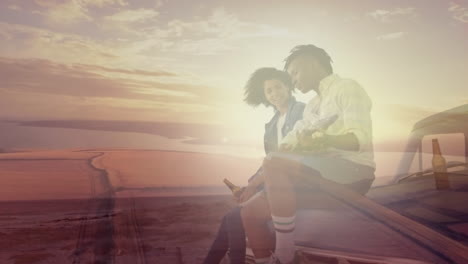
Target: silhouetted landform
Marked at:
7, 150
69, 174
207, 134
204, 134
450, 145
179, 190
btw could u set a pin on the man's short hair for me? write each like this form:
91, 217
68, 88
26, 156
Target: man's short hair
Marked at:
253, 90
310, 50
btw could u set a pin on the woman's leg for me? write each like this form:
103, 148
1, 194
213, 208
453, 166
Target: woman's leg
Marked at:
220, 245
236, 236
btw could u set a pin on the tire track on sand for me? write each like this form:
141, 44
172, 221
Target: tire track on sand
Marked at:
95, 238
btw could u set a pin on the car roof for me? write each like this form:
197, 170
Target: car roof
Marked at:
454, 120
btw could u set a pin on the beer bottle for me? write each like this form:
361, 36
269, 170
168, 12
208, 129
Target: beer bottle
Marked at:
439, 166
236, 190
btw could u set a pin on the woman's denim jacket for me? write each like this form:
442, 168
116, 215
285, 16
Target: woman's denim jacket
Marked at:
270, 139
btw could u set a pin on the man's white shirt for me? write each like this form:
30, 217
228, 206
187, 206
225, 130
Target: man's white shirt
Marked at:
350, 102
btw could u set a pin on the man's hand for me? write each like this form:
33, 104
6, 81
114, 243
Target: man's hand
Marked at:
312, 140
285, 147
304, 136
319, 141
248, 192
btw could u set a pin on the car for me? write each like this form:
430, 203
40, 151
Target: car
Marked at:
409, 220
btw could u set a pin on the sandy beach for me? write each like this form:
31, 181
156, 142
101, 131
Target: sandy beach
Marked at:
135, 230
113, 206
150, 206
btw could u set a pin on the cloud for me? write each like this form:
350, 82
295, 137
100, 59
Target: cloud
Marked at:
218, 32
97, 68
68, 12
32, 106
14, 7
104, 57
86, 3
131, 22
134, 37
108, 73
103, 3
43, 76
42, 43
392, 36
458, 12
222, 24
72, 11
32, 87
132, 16
387, 16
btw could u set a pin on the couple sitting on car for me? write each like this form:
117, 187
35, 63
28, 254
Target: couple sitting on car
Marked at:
331, 135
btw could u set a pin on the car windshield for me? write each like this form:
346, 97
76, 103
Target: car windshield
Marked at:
452, 147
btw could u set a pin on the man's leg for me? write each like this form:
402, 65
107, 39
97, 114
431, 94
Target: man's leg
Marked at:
255, 216
283, 173
282, 201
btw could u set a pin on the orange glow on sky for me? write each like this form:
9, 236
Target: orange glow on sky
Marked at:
175, 61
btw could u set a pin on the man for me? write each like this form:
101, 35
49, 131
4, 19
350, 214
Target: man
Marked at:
341, 152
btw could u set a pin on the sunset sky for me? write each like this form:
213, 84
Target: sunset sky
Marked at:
187, 61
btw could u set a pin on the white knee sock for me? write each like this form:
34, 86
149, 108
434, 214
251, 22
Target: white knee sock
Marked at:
284, 227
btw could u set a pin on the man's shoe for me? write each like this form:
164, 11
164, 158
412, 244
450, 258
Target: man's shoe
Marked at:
273, 259
296, 259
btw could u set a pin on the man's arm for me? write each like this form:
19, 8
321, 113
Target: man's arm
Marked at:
356, 106
347, 142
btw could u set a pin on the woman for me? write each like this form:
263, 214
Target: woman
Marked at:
270, 87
